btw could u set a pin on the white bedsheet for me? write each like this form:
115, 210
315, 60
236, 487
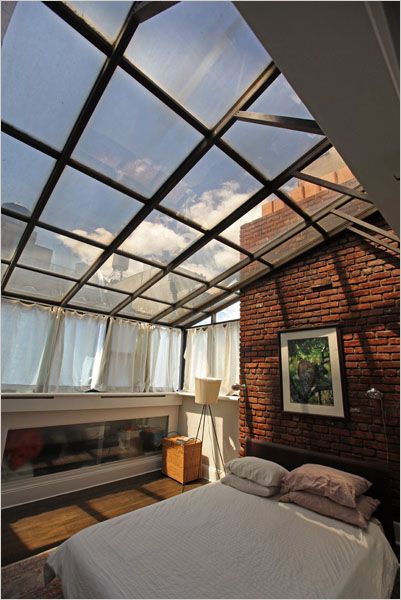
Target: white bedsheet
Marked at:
218, 542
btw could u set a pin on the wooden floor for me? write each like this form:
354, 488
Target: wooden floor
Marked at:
38, 526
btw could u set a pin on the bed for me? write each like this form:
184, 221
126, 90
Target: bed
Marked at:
218, 542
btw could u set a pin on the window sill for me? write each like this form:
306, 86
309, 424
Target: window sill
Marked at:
224, 398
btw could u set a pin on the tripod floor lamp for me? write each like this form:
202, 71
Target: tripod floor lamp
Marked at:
206, 393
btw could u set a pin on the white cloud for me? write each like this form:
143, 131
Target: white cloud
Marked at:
212, 260
155, 239
214, 205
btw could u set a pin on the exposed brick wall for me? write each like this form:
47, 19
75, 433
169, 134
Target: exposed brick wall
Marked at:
364, 303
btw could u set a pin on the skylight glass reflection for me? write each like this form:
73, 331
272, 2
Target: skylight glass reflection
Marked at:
93, 297
53, 252
269, 149
211, 260
123, 273
281, 100
212, 190
106, 17
38, 285
159, 238
202, 53
142, 308
133, 137
172, 288
48, 70
85, 206
24, 174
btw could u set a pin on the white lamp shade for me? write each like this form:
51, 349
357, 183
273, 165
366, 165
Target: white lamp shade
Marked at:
207, 390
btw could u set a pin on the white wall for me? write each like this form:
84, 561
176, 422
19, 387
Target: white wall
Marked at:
225, 413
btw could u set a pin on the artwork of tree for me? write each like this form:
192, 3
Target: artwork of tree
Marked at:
310, 371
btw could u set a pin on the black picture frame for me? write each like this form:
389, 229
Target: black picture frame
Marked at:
310, 386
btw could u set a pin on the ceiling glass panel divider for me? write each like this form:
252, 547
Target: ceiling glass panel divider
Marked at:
89, 106
114, 57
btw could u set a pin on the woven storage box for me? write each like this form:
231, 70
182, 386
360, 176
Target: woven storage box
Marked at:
182, 462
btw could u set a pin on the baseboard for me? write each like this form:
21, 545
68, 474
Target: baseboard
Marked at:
47, 486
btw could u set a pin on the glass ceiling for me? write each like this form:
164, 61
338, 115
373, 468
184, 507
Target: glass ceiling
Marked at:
129, 186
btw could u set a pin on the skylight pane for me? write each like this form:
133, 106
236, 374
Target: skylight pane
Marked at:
280, 99
48, 71
142, 308
230, 313
211, 260
159, 238
92, 297
308, 196
123, 274
206, 56
175, 315
172, 288
134, 138
269, 149
53, 252
11, 232
293, 246
206, 321
229, 298
212, 190
106, 17
24, 174
38, 285
85, 206
261, 224
4, 268
243, 274
331, 167
207, 296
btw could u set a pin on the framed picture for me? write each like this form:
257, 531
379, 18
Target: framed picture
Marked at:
312, 372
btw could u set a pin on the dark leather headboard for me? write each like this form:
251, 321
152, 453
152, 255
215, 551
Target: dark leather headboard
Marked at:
291, 458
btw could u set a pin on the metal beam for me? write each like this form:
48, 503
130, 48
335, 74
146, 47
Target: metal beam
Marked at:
332, 186
251, 203
189, 162
89, 107
379, 230
295, 124
374, 239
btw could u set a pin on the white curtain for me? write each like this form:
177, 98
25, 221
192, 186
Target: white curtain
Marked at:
57, 350
225, 354
163, 369
212, 352
75, 357
123, 365
25, 332
196, 357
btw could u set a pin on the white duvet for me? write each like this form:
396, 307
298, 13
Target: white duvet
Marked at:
218, 542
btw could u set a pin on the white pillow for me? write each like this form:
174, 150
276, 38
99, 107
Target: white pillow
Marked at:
248, 486
263, 472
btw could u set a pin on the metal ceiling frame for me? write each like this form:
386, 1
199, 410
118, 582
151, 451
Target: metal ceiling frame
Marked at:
114, 58
293, 123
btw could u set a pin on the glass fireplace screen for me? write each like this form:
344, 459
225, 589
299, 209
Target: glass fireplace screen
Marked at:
45, 450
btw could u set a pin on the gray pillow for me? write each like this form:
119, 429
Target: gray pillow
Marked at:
258, 470
359, 516
249, 487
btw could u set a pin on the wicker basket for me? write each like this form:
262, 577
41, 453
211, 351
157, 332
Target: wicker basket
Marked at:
182, 462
